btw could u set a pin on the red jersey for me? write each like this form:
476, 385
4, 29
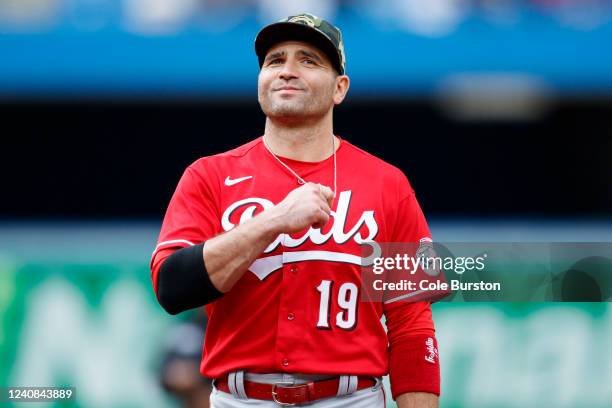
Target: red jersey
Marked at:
298, 307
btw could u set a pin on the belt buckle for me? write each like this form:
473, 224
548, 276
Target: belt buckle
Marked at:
274, 394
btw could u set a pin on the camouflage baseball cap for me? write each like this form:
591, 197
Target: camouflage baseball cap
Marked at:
303, 27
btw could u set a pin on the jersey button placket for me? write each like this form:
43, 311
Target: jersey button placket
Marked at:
289, 334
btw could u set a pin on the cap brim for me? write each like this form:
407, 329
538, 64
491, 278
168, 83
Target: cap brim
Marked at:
286, 31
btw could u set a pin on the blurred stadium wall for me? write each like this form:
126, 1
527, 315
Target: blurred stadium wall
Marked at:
499, 112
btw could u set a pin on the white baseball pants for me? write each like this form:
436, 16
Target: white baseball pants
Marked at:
347, 397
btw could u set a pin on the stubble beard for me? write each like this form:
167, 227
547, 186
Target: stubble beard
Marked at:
290, 108
296, 108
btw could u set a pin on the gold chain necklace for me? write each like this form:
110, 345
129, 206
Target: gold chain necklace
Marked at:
300, 179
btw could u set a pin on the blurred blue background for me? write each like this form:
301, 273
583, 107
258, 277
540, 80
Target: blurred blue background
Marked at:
394, 47
498, 111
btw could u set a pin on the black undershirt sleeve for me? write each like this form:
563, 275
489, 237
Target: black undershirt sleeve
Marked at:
183, 282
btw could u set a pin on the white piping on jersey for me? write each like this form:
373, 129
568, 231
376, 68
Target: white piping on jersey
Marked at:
407, 295
172, 241
262, 267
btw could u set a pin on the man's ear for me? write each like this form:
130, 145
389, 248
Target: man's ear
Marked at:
342, 86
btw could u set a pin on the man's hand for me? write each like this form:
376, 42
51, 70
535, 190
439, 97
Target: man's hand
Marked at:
306, 206
227, 256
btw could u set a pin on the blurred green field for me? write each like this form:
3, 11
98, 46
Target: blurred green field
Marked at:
88, 318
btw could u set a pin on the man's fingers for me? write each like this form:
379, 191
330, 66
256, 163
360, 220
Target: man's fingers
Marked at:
325, 207
323, 219
327, 193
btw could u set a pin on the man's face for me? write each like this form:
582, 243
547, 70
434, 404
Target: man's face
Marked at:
297, 80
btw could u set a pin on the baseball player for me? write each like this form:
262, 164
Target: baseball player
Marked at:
268, 237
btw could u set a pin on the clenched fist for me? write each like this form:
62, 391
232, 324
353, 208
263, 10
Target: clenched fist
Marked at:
306, 206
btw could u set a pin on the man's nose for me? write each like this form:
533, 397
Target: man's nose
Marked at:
289, 70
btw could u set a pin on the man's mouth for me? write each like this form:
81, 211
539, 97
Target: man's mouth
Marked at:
288, 88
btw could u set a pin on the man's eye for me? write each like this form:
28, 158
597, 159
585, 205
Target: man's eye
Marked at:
309, 61
274, 61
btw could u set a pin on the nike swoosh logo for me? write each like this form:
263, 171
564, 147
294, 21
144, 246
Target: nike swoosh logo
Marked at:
231, 182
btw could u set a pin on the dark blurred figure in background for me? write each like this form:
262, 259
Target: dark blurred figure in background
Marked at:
180, 370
